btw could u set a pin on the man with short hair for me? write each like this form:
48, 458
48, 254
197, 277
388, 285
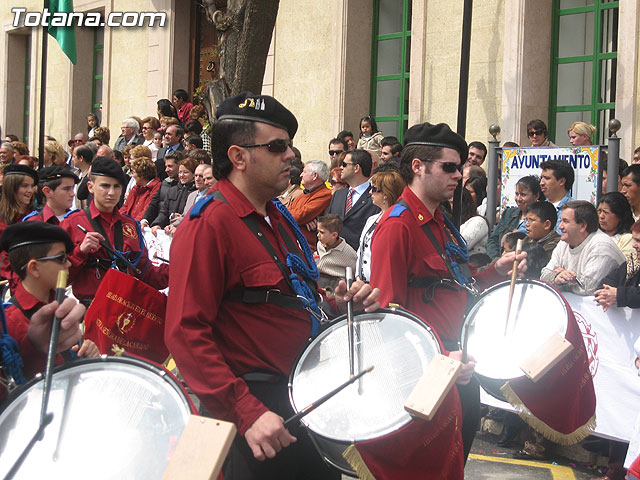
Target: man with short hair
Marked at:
170, 163
538, 134
57, 185
129, 134
477, 153
173, 137
82, 158
631, 188
182, 104
201, 155
636, 156
193, 142
194, 127
314, 201
472, 171
6, 153
236, 345
203, 181
390, 149
104, 151
585, 254
354, 204
336, 147
556, 180
78, 140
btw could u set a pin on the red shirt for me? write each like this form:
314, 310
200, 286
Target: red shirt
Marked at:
85, 281
139, 198
46, 215
184, 112
5, 269
401, 251
214, 340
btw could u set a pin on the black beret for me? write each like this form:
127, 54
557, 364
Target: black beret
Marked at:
439, 135
53, 172
16, 169
107, 167
31, 233
258, 108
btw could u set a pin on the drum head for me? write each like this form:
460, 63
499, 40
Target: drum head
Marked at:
537, 311
113, 418
399, 346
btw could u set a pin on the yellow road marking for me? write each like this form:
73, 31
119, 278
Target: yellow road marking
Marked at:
558, 472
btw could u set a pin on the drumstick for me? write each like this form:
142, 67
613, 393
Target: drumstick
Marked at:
312, 406
155, 255
350, 329
514, 275
61, 286
106, 246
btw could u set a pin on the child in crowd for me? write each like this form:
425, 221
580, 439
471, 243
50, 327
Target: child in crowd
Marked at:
540, 223
510, 240
334, 254
370, 136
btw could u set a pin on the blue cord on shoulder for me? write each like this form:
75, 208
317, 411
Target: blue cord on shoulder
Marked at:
70, 212
29, 215
397, 210
200, 205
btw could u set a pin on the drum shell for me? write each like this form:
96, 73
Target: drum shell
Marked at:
120, 418
537, 311
391, 340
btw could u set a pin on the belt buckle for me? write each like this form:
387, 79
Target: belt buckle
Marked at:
271, 290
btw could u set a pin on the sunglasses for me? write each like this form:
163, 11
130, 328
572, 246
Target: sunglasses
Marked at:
345, 164
374, 189
60, 258
535, 132
450, 167
278, 145
335, 152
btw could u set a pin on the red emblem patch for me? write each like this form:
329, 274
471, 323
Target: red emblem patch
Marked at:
129, 230
590, 342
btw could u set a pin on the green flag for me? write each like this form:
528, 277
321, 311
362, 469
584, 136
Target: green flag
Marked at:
64, 35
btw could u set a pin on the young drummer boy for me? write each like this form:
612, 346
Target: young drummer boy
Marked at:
90, 261
57, 186
37, 252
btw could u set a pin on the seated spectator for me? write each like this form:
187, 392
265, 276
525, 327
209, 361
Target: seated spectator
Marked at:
166, 109
474, 228
294, 189
334, 253
537, 258
390, 149
622, 165
306, 208
540, 224
130, 128
150, 126
585, 255
538, 134
200, 155
631, 188
580, 134
337, 146
621, 288
556, 180
102, 134
194, 128
7, 153
614, 215
336, 180
203, 180
370, 136
513, 218
171, 170
636, 156
347, 136
193, 142
147, 184
477, 187
54, 154
472, 171
177, 195
477, 153
20, 148
182, 104
386, 188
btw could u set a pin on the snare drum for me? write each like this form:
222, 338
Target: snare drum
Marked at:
397, 343
537, 311
114, 418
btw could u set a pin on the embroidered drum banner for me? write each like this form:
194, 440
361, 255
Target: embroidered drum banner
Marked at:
127, 314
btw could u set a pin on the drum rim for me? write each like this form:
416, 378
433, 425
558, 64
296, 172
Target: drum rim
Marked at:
533, 281
396, 310
158, 370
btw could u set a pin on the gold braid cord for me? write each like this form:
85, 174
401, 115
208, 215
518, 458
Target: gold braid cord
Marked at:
352, 455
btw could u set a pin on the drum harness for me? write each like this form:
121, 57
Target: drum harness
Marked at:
460, 272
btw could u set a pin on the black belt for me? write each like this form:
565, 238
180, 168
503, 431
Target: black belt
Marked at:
451, 345
264, 377
101, 263
272, 296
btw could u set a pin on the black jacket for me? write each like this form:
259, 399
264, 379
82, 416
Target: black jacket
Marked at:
173, 203
353, 222
154, 206
628, 294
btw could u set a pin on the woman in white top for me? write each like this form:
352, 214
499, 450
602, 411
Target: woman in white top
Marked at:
614, 215
150, 126
386, 188
474, 228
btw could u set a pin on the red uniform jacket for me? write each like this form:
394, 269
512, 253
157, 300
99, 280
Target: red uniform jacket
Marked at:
85, 280
401, 251
46, 215
139, 198
214, 340
5, 269
308, 207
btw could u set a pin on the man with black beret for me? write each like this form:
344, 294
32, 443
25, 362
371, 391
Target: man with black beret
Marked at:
233, 343
104, 223
37, 252
415, 251
57, 186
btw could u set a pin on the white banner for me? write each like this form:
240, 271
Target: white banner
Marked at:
158, 246
609, 337
520, 162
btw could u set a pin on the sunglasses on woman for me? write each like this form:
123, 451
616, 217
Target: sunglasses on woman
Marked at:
278, 145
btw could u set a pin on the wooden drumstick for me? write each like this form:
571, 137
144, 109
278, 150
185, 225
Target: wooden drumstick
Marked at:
514, 275
350, 329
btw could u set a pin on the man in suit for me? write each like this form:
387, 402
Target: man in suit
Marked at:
173, 136
354, 205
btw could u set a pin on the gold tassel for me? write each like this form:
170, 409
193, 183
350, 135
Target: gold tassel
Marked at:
561, 438
352, 455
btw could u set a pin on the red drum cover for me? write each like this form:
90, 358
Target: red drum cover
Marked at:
129, 314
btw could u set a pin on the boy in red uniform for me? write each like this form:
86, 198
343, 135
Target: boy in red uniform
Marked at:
57, 186
37, 252
104, 223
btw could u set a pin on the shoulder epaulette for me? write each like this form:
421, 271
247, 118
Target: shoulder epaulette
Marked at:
397, 210
32, 214
199, 206
71, 211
